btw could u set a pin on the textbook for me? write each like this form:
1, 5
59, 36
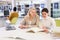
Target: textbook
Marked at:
34, 30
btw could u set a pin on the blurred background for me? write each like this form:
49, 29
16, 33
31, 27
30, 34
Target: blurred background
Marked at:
24, 5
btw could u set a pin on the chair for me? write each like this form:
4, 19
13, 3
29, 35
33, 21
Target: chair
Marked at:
57, 23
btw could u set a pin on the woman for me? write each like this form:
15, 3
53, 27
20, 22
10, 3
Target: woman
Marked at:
9, 19
31, 19
13, 14
48, 22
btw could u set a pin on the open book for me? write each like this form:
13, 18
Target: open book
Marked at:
34, 29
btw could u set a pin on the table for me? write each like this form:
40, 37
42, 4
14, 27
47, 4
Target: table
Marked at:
23, 35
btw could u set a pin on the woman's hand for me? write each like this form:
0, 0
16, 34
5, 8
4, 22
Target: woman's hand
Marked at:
23, 26
45, 29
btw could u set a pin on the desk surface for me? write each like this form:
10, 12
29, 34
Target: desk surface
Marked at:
21, 33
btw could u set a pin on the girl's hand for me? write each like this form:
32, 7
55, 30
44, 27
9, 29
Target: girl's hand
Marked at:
45, 29
22, 26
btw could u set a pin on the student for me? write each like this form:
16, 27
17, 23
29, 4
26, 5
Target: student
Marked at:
31, 19
11, 16
48, 22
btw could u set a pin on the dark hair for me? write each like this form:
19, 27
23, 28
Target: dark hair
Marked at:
45, 10
14, 9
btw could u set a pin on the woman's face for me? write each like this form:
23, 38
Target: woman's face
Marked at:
33, 12
44, 14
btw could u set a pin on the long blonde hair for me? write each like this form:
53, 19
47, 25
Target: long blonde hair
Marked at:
30, 9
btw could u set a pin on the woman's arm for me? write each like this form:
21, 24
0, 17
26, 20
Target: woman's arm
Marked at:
23, 23
23, 26
53, 25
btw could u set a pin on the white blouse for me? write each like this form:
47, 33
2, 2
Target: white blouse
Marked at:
49, 23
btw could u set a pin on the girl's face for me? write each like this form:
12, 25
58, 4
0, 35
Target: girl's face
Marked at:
33, 12
44, 14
